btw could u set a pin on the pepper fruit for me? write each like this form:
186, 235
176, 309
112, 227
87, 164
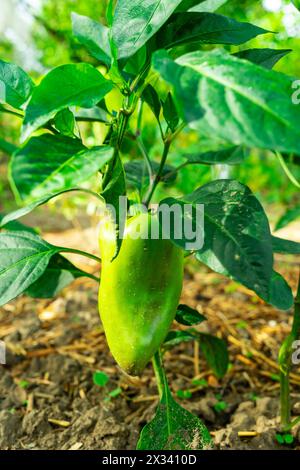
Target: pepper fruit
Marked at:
139, 291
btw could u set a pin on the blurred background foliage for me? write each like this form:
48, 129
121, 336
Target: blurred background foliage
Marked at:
36, 34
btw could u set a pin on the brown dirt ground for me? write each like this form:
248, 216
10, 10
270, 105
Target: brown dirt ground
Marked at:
48, 399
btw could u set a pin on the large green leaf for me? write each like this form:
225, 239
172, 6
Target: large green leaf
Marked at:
237, 239
59, 273
93, 35
289, 216
206, 28
7, 147
24, 257
204, 5
232, 99
15, 85
49, 163
208, 5
229, 156
66, 85
174, 428
135, 22
286, 247
265, 57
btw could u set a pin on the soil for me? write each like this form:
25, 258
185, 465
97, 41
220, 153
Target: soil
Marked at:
48, 398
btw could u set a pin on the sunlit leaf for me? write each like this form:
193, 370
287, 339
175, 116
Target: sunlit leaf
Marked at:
65, 86
15, 85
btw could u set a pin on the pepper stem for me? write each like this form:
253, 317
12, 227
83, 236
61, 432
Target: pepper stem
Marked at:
159, 371
285, 364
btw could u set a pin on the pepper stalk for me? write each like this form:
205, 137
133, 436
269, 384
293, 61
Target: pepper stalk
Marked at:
285, 364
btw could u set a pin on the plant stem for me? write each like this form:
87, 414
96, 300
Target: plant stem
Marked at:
144, 152
79, 252
285, 359
167, 144
159, 373
287, 171
285, 401
173, 172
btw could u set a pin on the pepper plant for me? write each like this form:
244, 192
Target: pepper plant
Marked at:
158, 57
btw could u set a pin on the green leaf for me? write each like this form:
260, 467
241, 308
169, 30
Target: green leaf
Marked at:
205, 28
186, 315
24, 257
286, 247
93, 114
135, 22
51, 163
220, 406
237, 239
64, 122
7, 147
280, 439
100, 378
114, 186
289, 216
184, 394
173, 428
170, 112
137, 175
59, 273
232, 99
280, 293
215, 352
175, 337
265, 57
110, 12
200, 382
115, 392
229, 156
93, 35
296, 3
136, 62
214, 349
65, 86
151, 97
15, 85
204, 5
289, 438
